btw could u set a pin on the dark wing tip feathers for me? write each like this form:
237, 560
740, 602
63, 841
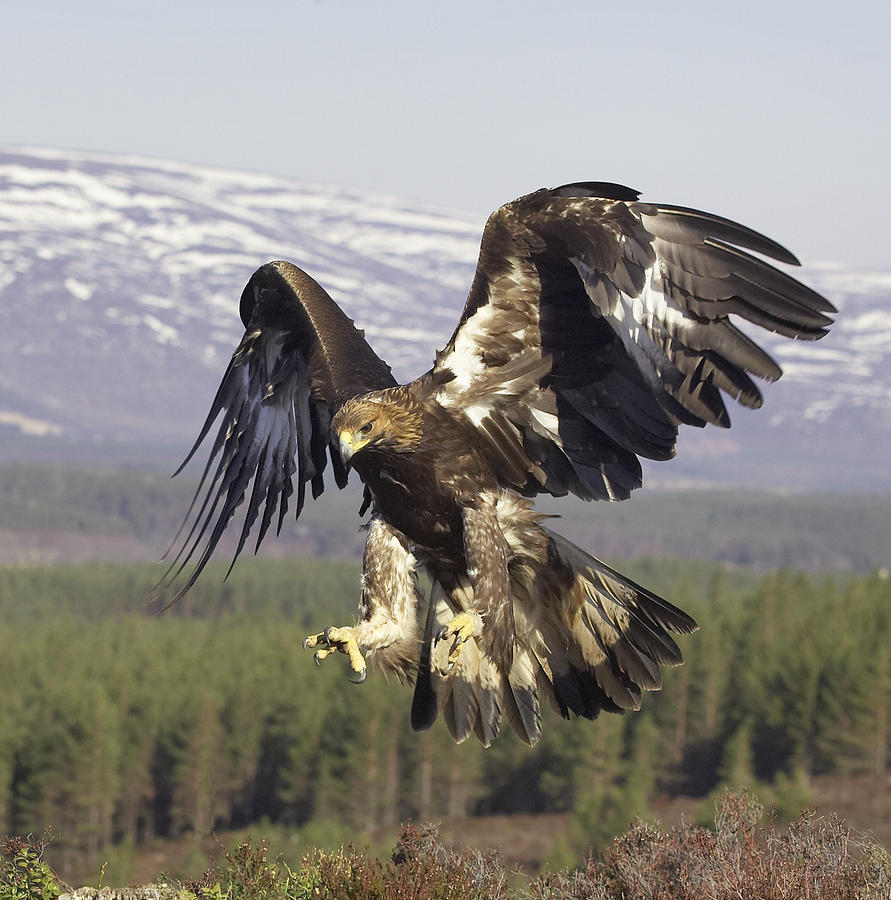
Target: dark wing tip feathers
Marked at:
682, 225
255, 441
272, 426
606, 190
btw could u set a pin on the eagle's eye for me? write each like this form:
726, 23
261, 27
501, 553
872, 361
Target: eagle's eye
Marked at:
366, 428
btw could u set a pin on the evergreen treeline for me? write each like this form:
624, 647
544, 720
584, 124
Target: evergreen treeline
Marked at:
817, 532
119, 724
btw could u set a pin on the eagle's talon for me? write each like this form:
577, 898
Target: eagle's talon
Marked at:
323, 653
360, 676
316, 640
461, 629
333, 639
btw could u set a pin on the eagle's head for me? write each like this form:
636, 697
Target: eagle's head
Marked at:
383, 420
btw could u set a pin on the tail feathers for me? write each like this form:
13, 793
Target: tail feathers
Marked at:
471, 696
488, 722
423, 704
607, 636
520, 691
651, 608
475, 698
586, 678
588, 640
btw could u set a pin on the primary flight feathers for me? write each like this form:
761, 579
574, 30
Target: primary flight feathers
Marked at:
595, 325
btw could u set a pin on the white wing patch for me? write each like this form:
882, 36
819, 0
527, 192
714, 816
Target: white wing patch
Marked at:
548, 421
465, 359
511, 315
645, 323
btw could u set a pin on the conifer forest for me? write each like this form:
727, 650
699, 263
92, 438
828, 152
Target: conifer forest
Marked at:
119, 725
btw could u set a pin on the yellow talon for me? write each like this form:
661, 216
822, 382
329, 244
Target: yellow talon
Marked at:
342, 640
460, 629
323, 653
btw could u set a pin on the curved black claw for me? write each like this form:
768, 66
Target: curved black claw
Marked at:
361, 677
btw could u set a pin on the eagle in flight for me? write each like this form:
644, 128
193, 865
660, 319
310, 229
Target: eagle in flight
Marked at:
595, 325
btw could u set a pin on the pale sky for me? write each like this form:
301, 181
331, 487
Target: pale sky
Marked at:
776, 114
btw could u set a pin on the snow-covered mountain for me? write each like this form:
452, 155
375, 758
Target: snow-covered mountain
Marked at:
119, 287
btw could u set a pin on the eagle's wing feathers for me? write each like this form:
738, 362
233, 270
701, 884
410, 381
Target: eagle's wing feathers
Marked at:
300, 359
596, 324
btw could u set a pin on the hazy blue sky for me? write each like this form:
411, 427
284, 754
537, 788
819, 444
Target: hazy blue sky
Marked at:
777, 114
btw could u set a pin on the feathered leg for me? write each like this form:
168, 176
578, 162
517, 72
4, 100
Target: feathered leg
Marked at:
489, 612
387, 626
484, 673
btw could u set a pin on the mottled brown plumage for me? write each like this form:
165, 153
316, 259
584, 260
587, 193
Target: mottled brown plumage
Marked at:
594, 327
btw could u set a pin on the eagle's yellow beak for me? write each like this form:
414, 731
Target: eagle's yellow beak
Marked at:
351, 443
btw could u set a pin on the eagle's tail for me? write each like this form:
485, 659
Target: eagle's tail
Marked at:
587, 638
604, 640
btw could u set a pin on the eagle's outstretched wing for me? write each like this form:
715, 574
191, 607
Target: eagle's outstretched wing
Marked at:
300, 359
596, 324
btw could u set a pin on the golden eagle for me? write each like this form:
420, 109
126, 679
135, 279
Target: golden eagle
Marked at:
595, 325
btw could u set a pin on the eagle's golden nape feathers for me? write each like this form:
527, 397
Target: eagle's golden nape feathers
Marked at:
389, 419
595, 326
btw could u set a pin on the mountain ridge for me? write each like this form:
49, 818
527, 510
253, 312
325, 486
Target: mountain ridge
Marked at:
120, 278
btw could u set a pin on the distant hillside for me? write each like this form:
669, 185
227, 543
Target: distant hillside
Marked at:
119, 286
53, 514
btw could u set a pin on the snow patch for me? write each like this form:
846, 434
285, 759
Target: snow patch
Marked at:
165, 334
78, 289
156, 302
29, 425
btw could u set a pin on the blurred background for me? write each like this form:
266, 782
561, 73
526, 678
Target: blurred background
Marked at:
153, 155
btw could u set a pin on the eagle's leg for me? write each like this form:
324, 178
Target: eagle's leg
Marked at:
387, 625
490, 617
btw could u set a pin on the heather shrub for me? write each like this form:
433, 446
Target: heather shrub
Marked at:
814, 858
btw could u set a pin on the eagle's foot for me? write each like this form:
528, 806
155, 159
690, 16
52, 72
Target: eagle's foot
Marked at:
463, 627
338, 639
